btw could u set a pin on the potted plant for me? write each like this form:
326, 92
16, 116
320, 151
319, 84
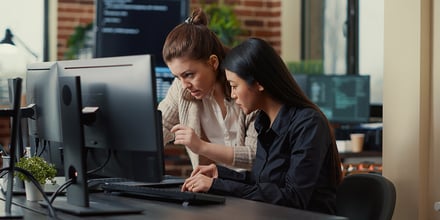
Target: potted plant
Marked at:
224, 23
41, 170
80, 41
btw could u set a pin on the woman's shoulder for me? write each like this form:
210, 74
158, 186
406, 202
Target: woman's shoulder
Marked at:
305, 111
306, 115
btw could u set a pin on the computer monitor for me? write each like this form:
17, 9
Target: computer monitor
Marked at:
108, 109
136, 27
164, 79
77, 199
344, 99
42, 91
127, 125
44, 126
301, 80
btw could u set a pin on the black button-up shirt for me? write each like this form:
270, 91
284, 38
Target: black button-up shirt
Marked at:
291, 166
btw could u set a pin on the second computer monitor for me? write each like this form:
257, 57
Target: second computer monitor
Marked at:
42, 91
44, 126
343, 99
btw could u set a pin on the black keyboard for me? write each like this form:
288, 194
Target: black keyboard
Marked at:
164, 194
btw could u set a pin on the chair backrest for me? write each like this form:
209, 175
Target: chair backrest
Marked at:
366, 196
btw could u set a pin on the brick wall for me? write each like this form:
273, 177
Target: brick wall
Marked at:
72, 13
259, 18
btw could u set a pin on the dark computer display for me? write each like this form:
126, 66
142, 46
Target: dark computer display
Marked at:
109, 117
45, 137
164, 79
77, 200
342, 98
136, 26
127, 125
301, 80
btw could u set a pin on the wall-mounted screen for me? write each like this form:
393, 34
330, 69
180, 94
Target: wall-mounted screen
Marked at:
342, 98
136, 27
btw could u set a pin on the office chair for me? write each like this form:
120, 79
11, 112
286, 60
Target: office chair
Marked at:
366, 196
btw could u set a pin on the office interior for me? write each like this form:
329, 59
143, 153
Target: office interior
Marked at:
410, 88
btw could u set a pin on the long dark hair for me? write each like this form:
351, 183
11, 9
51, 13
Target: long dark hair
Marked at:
194, 40
255, 60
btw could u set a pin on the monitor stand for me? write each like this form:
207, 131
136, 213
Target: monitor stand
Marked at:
7, 209
77, 201
16, 212
94, 208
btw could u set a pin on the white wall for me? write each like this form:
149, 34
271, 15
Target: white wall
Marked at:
53, 30
411, 155
371, 59
335, 42
26, 20
291, 30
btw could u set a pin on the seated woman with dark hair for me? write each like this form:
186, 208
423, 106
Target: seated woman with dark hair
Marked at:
297, 162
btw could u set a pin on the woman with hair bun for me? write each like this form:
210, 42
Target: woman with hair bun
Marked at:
198, 110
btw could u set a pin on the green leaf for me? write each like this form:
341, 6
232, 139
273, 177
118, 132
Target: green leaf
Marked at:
77, 40
38, 167
224, 23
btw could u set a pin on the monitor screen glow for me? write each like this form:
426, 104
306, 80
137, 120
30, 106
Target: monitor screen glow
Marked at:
342, 98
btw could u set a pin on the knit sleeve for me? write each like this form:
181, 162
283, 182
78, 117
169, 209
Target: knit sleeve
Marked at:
244, 152
169, 107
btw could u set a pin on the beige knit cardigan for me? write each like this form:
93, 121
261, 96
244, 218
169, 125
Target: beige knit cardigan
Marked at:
178, 107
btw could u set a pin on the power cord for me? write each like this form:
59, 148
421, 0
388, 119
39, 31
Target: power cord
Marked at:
51, 210
45, 145
60, 189
109, 153
37, 145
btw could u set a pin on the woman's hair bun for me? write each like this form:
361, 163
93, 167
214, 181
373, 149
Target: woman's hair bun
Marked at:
197, 17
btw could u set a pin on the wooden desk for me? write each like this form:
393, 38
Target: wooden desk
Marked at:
234, 208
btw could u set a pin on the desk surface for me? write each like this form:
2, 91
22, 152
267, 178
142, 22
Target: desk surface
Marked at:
233, 208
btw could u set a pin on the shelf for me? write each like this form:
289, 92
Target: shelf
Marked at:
354, 162
361, 154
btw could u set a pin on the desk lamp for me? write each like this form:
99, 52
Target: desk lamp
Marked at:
8, 37
13, 61
8, 40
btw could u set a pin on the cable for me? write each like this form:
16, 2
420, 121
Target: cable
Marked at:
45, 144
102, 165
2, 174
3, 151
60, 189
93, 183
37, 145
51, 210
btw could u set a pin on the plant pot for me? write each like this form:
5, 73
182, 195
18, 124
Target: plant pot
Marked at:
32, 192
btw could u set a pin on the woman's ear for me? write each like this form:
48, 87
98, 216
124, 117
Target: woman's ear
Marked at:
259, 87
213, 61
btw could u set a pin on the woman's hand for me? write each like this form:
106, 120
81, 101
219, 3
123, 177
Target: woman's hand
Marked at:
186, 136
197, 183
201, 179
207, 170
